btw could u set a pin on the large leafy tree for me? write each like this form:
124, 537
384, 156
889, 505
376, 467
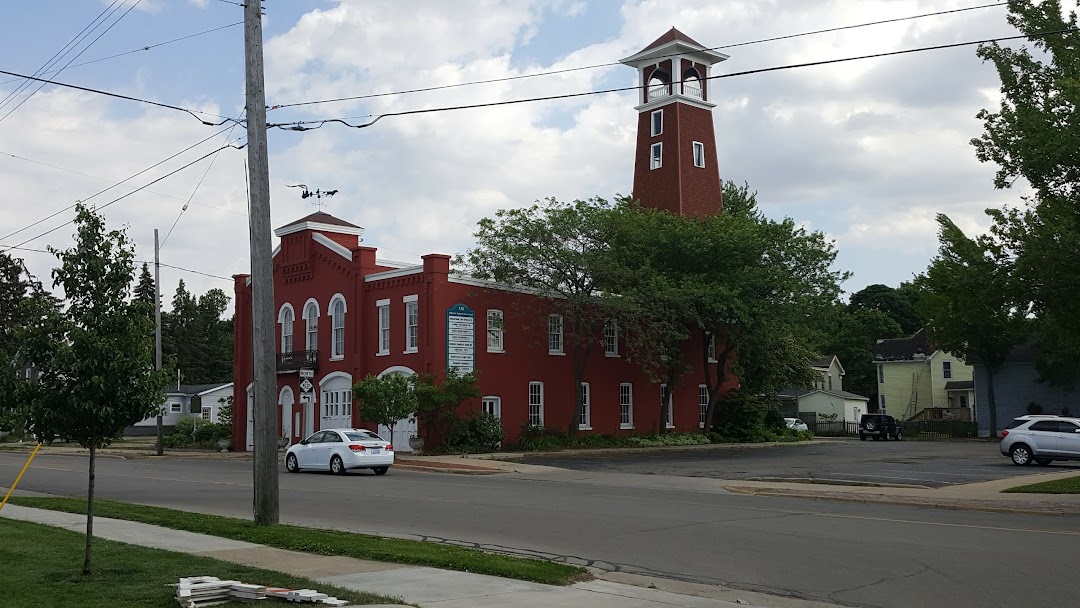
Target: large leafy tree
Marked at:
195, 338
386, 400
850, 334
557, 251
900, 305
22, 300
438, 401
1033, 135
96, 356
967, 300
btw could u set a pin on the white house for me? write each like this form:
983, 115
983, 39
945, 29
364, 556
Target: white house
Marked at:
178, 402
826, 398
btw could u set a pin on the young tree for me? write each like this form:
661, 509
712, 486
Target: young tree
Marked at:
144, 289
438, 402
967, 302
386, 400
96, 356
556, 251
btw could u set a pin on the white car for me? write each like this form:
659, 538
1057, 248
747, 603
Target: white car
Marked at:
339, 450
795, 424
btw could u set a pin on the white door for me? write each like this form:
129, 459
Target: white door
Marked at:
285, 403
400, 437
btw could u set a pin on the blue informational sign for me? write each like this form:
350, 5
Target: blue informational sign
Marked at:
460, 338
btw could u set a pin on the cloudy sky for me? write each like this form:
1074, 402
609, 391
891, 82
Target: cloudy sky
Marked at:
866, 151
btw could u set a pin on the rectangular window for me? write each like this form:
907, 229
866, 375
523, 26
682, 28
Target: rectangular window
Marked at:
586, 411
626, 405
963, 401
412, 324
495, 331
946, 369
669, 415
611, 338
830, 382
881, 403
337, 322
176, 408
703, 404
536, 404
656, 155
555, 335
206, 411
657, 123
313, 333
880, 374
492, 405
384, 326
699, 154
286, 335
712, 348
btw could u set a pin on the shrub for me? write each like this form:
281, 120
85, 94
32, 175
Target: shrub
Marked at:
535, 438
194, 432
480, 432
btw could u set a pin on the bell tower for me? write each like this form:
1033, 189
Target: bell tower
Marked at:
675, 163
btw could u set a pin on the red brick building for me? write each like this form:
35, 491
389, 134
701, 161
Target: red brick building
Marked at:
344, 314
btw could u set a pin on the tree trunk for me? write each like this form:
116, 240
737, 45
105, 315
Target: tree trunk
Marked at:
89, 513
991, 402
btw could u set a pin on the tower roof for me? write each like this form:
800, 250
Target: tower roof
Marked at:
671, 36
321, 221
674, 42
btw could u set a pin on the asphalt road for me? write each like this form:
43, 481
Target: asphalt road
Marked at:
924, 463
683, 528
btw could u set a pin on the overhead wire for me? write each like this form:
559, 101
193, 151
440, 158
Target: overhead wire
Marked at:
79, 54
205, 274
301, 125
615, 63
138, 50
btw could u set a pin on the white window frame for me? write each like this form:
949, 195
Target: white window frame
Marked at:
492, 405
669, 406
495, 327
626, 390
703, 404
946, 370
881, 403
556, 343
207, 413
656, 155
654, 129
311, 325
537, 402
287, 318
880, 374
585, 422
176, 407
611, 338
698, 149
830, 382
383, 314
412, 324
711, 353
337, 326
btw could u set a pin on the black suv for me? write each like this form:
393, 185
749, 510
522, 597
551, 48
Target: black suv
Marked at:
879, 426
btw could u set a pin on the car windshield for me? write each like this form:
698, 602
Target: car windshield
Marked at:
362, 436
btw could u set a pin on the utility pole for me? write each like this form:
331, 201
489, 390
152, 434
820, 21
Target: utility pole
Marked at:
262, 276
157, 335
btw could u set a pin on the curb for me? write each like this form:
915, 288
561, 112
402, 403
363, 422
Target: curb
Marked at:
426, 469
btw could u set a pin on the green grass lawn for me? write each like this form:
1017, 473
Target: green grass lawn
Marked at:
42, 566
1069, 485
325, 542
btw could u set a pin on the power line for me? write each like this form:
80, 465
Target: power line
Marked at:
140, 49
615, 63
114, 183
205, 274
72, 206
127, 97
301, 124
118, 199
84, 49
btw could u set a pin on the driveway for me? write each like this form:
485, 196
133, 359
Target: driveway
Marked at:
921, 463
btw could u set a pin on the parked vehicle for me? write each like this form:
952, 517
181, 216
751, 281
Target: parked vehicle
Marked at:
339, 450
795, 424
879, 426
1041, 439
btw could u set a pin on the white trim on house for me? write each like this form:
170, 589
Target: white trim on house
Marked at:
586, 408
210, 390
337, 297
310, 301
332, 228
464, 279
412, 307
629, 404
656, 161
337, 248
653, 131
277, 250
499, 331
665, 50
281, 312
380, 306
397, 369
675, 97
539, 404
694, 147
390, 274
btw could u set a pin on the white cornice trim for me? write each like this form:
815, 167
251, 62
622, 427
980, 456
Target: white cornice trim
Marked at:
677, 97
664, 51
475, 282
390, 274
337, 248
334, 228
277, 250
394, 264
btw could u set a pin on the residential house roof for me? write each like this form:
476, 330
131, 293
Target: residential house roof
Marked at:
960, 385
671, 36
795, 393
197, 389
915, 346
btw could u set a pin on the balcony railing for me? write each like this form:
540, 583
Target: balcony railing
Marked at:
291, 362
657, 91
692, 90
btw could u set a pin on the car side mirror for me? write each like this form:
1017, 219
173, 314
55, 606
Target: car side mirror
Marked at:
303, 442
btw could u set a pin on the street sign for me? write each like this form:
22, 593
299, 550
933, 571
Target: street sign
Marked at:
307, 397
306, 385
307, 373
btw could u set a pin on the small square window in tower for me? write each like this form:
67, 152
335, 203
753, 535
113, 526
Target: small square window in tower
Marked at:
656, 155
699, 155
657, 122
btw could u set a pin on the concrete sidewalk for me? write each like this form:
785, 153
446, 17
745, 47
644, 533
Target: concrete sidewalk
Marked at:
426, 587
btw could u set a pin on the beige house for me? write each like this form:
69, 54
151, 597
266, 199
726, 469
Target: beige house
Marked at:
827, 397
918, 381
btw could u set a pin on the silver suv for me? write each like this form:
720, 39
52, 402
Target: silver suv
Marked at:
1042, 439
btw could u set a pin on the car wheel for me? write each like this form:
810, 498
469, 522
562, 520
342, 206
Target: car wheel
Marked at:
381, 470
1042, 462
291, 465
862, 437
870, 425
1021, 454
337, 466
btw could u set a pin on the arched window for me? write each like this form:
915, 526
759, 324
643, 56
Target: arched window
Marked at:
311, 325
659, 83
337, 322
692, 84
286, 318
